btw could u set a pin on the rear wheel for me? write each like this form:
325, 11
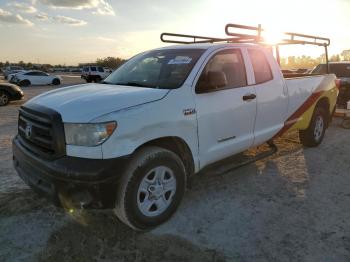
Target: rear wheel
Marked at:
97, 79
24, 83
346, 123
151, 188
4, 98
56, 82
313, 135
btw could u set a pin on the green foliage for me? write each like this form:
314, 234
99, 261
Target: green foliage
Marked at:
294, 62
110, 62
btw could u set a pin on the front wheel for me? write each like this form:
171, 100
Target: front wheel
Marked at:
151, 188
24, 83
4, 98
56, 82
313, 135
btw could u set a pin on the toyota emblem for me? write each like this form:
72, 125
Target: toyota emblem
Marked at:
28, 130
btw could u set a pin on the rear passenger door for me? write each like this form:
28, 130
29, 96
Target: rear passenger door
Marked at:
33, 78
225, 114
271, 94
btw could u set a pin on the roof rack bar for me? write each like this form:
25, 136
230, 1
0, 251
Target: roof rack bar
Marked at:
257, 36
299, 42
192, 39
316, 39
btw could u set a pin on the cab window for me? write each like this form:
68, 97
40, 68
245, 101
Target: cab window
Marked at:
224, 70
261, 66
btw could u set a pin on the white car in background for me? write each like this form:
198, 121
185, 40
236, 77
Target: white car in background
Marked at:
15, 72
35, 77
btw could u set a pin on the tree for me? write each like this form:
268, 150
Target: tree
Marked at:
346, 55
110, 62
335, 58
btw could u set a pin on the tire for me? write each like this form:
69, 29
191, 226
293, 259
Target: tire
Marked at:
24, 83
97, 79
4, 98
56, 82
142, 203
346, 123
88, 80
314, 134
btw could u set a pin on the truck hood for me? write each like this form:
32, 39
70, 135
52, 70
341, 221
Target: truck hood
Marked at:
83, 103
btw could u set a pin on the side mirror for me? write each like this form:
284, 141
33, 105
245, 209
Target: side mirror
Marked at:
213, 80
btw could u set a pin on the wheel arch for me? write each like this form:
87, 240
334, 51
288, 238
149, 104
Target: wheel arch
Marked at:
7, 92
10, 97
324, 103
26, 80
176, 145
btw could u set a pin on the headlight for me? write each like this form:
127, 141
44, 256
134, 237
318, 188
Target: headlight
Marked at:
88, 134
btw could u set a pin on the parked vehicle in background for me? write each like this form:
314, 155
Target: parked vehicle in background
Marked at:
9, 92
133, 142
94, 74
108, 70
14, 72
76, 70
35, 77
11, 69
342, 71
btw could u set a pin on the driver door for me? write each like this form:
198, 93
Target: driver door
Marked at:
225, 114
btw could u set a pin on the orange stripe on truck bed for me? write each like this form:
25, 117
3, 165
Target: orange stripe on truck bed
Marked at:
297, 114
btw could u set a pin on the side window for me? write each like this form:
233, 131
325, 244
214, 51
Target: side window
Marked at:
93, 68
100, 69
224, 70
261, 66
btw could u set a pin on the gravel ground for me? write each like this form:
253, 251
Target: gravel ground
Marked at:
293, 206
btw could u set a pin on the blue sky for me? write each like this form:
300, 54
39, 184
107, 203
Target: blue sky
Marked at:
72, 31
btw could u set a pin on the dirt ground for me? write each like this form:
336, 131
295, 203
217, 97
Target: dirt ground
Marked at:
293, 206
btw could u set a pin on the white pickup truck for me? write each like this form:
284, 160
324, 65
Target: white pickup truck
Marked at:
132, 142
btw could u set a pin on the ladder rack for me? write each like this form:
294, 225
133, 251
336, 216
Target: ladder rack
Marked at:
249, 34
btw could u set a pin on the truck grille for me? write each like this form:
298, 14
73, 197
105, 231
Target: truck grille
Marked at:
40, 130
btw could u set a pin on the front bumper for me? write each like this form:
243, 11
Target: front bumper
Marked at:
70, 182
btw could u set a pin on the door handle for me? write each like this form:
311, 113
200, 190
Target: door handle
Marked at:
249, 97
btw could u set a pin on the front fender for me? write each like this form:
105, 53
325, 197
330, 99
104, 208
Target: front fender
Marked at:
144, 123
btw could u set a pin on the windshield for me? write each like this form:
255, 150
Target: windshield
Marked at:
166, 69
340, 70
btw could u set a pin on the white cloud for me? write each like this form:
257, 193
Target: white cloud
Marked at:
100, 7
23, 8
8, 17
42, 17
104, 9
68, 20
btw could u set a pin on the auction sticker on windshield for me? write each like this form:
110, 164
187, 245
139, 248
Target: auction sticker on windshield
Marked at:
180, 60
